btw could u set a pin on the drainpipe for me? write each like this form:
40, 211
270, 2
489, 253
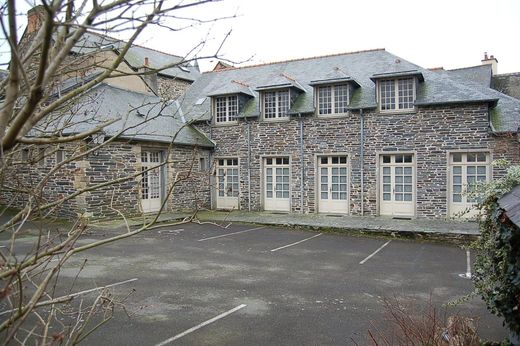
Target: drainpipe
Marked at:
301, 163
362, 158
248, 164
210, 160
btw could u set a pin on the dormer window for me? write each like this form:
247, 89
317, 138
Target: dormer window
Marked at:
276, 104
332, 99
226, 109
396, 94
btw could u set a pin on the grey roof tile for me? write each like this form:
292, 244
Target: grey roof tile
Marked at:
146, 117
437, 88
91, 42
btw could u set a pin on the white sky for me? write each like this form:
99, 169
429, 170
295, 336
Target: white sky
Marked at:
448, 33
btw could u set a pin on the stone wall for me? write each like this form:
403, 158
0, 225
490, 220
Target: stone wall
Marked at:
430, 134
171, 88
111, 165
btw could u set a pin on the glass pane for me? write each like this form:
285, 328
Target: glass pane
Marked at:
471, 157
408, 158
387, 188
386, 170
324, 195
408, 179
335, 160
335, 179
399, 197
343, 187
408, 170
343, 196
457, 170
278, 160
399, 170
457, 157
386, 158
286, 171
324, 179
269, 161
279, 194
457, 198
343, 170
399, 188
335, 195
343, 159
343, 179
481, 157
386, 196
399, 180
408, 188
386, 179
286, 194
285, 160
457, 179
269, 194
324, 171
324, 160
399, 159
324, 187
457, 188
408, 197
471, 170
481, 170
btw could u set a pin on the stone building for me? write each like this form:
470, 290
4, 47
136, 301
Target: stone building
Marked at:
147, 131
363, 133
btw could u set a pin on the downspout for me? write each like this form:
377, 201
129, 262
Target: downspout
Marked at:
248, 164
302, 165
362, 158
210, 160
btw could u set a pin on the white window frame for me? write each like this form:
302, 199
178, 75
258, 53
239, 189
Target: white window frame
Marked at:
332, 99
278, 115
464, 205
230, 115
396, 95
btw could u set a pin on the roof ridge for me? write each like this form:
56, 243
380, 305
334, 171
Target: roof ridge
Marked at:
467, 67
297, 59
508, 74
133, 44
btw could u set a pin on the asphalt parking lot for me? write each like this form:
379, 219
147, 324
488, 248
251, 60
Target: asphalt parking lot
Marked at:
255, 285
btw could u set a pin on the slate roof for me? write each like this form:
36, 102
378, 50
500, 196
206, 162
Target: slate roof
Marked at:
510, 203
146, 117
508, 83
437, 88
480, 74
91, 42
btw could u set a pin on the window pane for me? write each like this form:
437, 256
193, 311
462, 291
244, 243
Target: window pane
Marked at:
457, 157
386, 158
340, 98
481, 157
405, 90
387, 94
325, 100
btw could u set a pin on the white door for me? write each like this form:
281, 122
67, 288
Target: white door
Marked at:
228, 184
151, 182
397, 185
333, 186
466, 169
276, 177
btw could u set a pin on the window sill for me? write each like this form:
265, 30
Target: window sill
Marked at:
226, 124
276, 120
332, 116
399, 111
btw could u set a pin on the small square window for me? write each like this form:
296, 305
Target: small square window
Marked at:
60, 156
202, 164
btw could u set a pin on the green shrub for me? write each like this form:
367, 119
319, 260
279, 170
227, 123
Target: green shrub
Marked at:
497, 263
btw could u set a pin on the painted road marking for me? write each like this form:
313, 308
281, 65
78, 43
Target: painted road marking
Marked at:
298, 242
467, 275
228, 234
373, 253
192, 329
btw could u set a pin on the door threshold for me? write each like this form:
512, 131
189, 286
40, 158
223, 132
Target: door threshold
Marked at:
334, 215
401, 217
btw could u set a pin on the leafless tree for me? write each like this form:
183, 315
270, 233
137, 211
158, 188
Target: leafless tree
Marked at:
35, 115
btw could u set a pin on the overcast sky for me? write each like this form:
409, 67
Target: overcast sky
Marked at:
448, 33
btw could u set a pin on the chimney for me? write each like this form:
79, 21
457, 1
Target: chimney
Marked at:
35, 18
491, 60
150, 78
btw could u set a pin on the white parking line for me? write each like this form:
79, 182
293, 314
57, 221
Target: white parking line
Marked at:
373, 253
298, 242
228, 234
192, 329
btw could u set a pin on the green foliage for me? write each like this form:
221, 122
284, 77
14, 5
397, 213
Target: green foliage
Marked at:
497, 263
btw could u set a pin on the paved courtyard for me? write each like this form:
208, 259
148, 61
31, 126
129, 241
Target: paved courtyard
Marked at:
263, 285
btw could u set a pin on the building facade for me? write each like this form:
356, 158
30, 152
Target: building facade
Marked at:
364, 133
